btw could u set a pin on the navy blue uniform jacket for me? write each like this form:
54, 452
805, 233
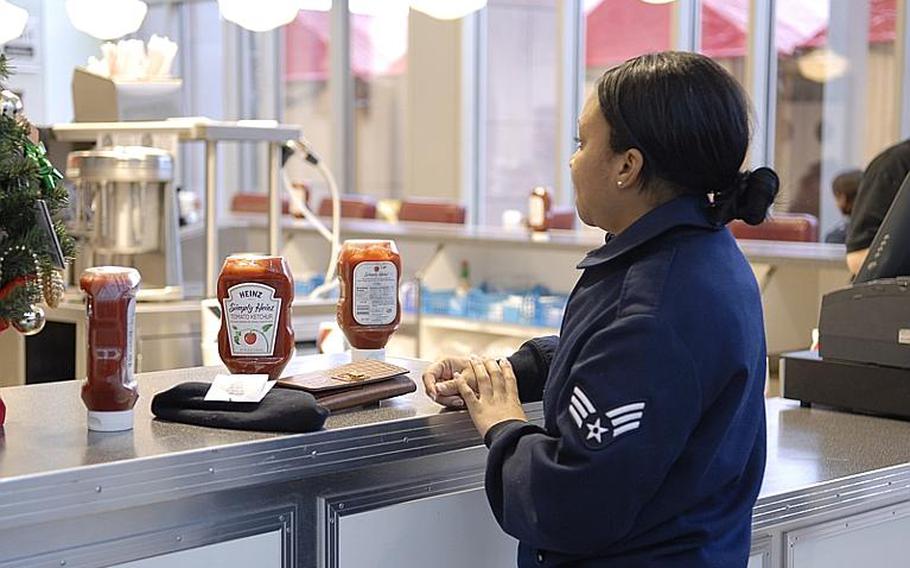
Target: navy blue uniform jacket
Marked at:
653, 447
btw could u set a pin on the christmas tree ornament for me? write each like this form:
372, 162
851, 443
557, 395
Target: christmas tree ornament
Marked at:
10, 104
54, 286
30, 322
44, 222
50, 176
34, 242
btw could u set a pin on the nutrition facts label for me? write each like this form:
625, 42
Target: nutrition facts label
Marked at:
375, 293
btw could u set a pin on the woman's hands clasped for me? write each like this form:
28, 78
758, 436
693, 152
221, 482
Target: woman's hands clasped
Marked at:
487, 388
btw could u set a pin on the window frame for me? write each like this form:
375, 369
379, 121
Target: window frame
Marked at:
761, 86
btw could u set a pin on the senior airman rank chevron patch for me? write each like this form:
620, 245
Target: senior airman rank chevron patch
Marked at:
597, 430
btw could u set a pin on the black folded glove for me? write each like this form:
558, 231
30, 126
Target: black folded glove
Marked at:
282, 410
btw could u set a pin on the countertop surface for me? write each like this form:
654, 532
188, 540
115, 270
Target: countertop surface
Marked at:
46, 433
46, 430
771, 252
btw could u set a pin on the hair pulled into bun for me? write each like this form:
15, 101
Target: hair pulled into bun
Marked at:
749, 197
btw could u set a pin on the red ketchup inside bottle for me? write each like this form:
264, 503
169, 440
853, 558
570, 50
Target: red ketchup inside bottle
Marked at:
256, 292
368, 308
110, 389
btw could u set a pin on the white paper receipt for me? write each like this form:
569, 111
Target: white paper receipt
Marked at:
239, 388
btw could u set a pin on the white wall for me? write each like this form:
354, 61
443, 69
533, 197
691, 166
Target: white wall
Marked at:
46, 85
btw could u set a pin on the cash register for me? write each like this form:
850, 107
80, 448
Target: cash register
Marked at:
863, 361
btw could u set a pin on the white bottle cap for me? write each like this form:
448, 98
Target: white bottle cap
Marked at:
110, 421
367, 354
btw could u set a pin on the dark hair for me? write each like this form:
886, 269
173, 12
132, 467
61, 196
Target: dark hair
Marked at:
689, 119
847, 183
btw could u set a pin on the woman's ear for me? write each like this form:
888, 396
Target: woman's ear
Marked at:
630, 171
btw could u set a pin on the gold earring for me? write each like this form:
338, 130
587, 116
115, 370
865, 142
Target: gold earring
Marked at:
619, 183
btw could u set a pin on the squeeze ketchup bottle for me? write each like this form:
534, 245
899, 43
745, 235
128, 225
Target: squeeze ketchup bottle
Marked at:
110, 389
368, 309
256, 292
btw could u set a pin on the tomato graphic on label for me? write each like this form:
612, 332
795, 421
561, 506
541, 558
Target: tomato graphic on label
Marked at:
249, 338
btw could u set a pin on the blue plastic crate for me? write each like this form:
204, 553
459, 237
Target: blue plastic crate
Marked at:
519, 309
550, 310
437, 302
304, 286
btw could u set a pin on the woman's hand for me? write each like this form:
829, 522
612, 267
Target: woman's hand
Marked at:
439, 380
496, 397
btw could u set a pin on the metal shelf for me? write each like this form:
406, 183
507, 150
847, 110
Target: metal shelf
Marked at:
492, 328
210, 132
186, 129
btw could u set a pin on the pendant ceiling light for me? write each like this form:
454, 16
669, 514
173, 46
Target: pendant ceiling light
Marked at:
260, 15
12, 21
106, 19
378, 7
447, 9
822, 65
315, 5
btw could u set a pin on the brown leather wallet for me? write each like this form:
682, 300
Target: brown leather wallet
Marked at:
360, 395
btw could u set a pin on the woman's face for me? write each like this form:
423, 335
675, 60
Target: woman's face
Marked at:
603, 179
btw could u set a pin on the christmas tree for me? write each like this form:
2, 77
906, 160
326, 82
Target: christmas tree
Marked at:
34, 243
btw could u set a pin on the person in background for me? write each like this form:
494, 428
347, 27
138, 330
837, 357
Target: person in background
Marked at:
878, 189
845, 187
806, 199
652, 449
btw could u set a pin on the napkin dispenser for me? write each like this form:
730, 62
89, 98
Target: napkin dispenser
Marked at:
100, 99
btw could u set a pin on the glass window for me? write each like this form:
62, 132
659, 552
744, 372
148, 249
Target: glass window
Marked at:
724, 33
378, 52
307, 98
379, 63
617, 30
521, 126
836, 102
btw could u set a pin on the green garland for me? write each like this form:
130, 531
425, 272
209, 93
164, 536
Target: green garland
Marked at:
26, 175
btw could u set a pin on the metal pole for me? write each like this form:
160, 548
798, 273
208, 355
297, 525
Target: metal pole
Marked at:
902, 48
686, 28
341, 91
274, 199
418, 318
761, 80
211, 222
570, 90
418, 280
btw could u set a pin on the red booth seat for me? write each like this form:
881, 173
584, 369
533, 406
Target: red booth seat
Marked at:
563, 218
431, 211
799, 227
352, 207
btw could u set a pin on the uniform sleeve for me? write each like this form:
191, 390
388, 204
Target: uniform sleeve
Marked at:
877, 190
531, 364
624, 416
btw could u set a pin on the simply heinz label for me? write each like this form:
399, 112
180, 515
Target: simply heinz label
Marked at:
251, 313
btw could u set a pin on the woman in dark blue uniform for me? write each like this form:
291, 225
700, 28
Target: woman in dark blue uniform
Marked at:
653, 446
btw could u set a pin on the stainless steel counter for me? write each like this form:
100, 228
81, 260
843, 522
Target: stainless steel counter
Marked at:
45, 439
46, 432
820, 463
